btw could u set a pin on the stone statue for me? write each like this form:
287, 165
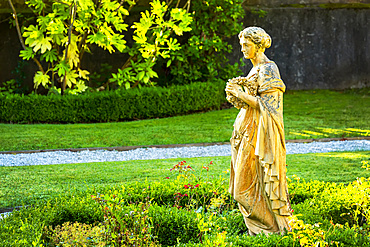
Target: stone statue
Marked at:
258, 166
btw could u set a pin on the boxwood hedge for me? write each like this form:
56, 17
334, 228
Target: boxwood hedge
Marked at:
109, 106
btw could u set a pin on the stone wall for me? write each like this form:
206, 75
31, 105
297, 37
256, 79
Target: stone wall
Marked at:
316, 47
279, 3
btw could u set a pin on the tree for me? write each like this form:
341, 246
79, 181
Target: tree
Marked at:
65, 29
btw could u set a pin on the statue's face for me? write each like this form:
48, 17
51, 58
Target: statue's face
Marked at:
249, 48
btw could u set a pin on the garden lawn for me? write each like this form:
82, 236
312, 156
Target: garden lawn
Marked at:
28, 184
307, 114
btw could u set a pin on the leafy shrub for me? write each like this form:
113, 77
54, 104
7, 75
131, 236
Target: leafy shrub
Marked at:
337, 202
112, 106
77, 234
204, 53
172, 225
300, 190
63, 31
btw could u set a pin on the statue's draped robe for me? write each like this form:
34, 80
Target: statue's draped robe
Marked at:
258, 165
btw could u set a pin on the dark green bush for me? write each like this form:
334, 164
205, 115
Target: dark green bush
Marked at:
109, 106
172, 225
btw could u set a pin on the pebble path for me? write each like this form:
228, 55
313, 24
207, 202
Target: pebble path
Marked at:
87, 156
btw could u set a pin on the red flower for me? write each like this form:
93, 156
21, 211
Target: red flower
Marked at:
167, 177
186, 187
211, 163
197, 185
185, 195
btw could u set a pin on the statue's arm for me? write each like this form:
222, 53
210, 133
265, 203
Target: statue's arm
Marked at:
238, 92
249, 99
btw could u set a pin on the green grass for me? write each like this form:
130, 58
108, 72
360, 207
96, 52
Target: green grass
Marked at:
28, 184
324, 113
307, 114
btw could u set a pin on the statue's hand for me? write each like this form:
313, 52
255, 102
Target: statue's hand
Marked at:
233, 89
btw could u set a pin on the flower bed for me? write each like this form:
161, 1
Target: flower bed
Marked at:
189, 210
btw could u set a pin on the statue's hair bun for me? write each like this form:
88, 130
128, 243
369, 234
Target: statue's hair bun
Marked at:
257, 35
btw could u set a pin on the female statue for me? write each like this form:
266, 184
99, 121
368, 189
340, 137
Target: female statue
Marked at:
258, 166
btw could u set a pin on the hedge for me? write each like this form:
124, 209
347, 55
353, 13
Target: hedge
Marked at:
113, 106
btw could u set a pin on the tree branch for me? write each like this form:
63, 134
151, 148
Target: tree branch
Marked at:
74, 10
20, 36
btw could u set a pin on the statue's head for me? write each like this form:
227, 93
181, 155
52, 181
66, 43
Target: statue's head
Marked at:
256, 35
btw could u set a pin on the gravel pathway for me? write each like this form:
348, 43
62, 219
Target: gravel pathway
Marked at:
86, 156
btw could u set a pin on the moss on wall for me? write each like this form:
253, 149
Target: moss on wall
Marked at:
345, 6
330, 5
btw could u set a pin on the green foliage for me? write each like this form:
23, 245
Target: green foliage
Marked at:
64, 30
77, 234
126, 224
8, 87
173, 225
112, 106
341, 203
203, 56
51, 39
153, 40
133, 210
259, 12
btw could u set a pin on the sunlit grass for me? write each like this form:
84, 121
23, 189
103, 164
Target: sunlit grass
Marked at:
347, 155
28, 184
330, 132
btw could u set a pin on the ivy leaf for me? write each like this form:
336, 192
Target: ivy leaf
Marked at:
119, 42
39, 5
152, 73
173, 44
184, 18
27, 53
145, 23
50, 56
56, 31
140, 75
71, 78
84, 74
169, 63
80, 87
42, 43
96, 38
62, 68
158, 9
73, 57
32, 32
41, 78
43, 21
123, 11
110, 6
